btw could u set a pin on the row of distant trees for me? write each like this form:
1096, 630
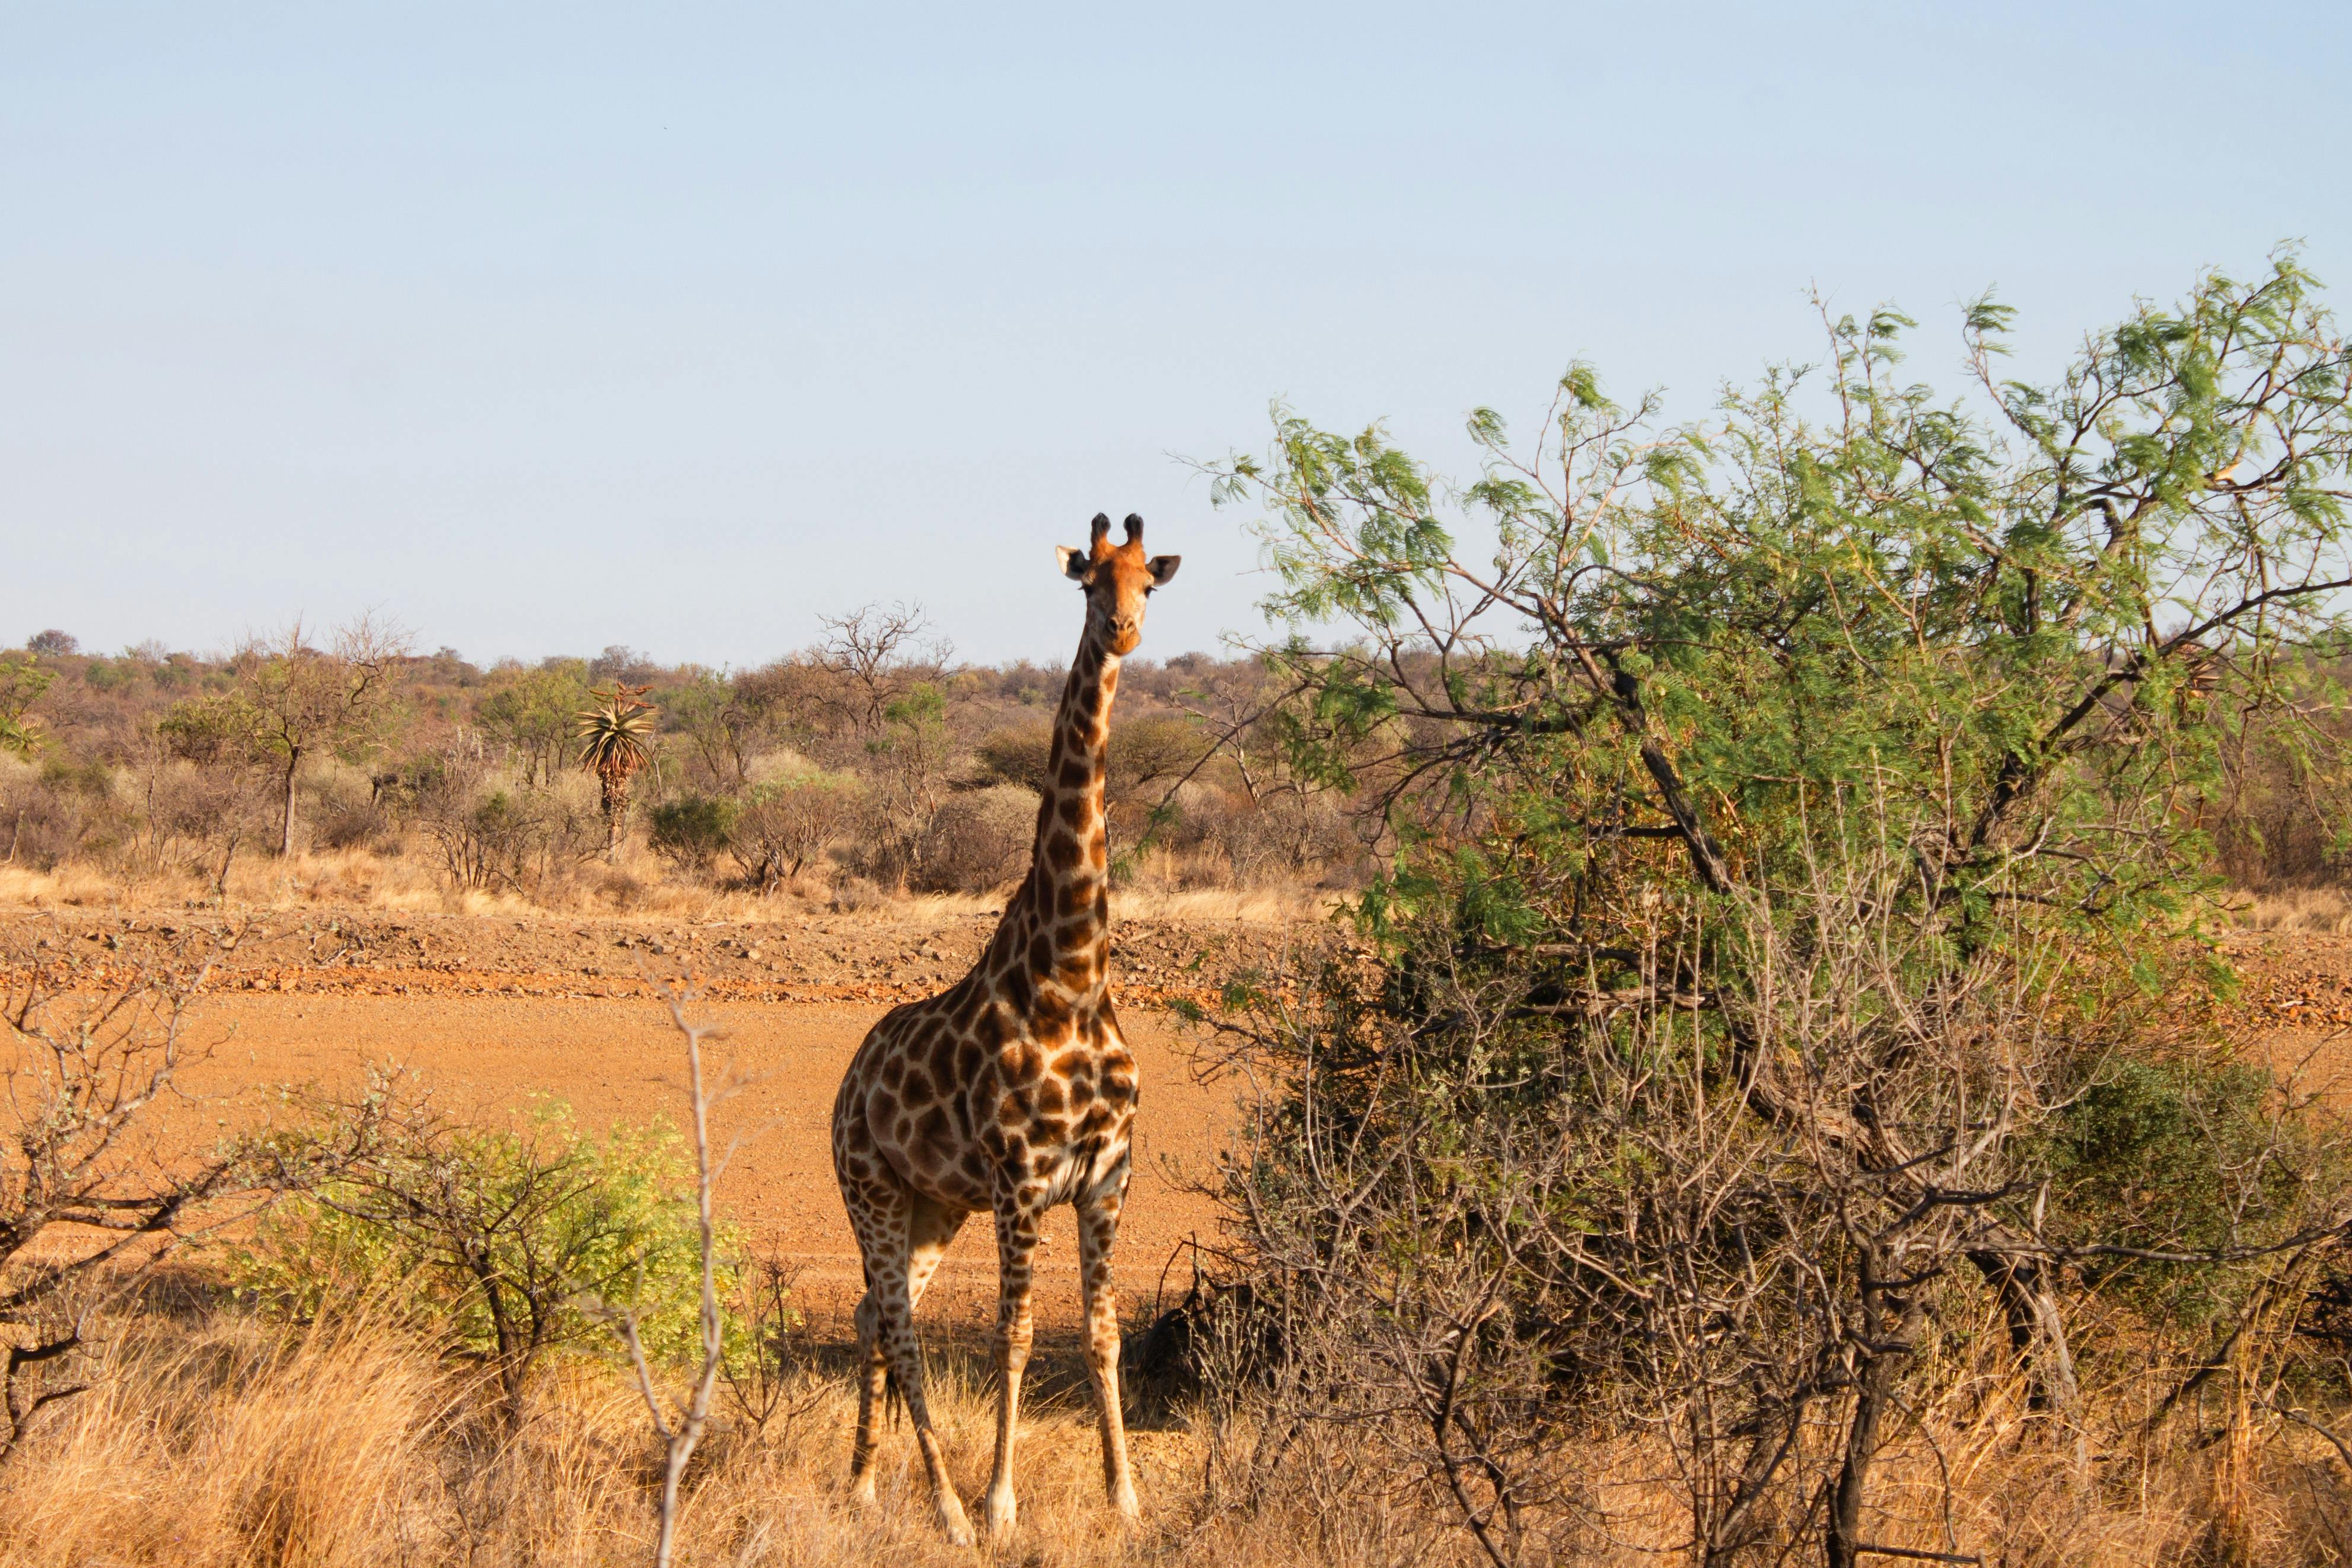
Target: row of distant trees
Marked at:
870, 754
279, 703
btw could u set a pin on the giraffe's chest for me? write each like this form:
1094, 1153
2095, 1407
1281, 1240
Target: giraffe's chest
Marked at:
967, 1115
1058, 1120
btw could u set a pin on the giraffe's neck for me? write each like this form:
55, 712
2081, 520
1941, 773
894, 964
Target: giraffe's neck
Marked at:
1058, 928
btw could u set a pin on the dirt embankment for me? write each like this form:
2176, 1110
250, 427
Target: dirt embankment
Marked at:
837, 959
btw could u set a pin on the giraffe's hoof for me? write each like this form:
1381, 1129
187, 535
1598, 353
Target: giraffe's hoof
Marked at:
953, 1523
996, 1514
1123, 1503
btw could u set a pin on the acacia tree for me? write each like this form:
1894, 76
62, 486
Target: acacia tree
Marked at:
720, 726
615, 742
531, 712
306, 700
875, 652
912, 753
1654, 718
792, 697
222, 801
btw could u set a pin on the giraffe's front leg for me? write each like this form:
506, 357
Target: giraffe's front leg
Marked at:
1017, 1247
1097, 1233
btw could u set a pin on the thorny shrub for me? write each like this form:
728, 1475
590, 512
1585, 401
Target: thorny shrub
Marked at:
1783, 987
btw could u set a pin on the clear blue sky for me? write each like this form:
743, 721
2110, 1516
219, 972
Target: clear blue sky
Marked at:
544, 327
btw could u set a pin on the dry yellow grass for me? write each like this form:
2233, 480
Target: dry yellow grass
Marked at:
216, 1440
360, 878
2324, 910
227, 1441
638, 885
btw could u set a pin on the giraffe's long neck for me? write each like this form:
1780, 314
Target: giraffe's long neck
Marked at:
1058, 928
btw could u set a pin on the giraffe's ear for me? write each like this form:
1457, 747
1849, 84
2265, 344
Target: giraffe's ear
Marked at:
1161, 568
1075, 563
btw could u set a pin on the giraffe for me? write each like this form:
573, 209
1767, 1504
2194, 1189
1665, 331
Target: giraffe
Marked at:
1010, 1092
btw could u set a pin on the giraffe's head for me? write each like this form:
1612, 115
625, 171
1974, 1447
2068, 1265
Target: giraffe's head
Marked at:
1118, 578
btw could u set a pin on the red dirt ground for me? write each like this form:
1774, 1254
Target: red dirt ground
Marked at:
492, 1011
620, 1060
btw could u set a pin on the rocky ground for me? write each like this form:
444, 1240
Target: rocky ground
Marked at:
846, 958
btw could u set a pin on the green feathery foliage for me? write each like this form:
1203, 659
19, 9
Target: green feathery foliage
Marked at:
1799, 841
23, 682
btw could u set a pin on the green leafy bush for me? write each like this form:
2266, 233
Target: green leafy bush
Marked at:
2193, 1153
508, 1238
690, 831
1799, 829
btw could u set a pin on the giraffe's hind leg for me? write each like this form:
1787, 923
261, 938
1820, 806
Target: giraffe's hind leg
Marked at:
873, 1371
902, 1236
878, 1214
930, 1226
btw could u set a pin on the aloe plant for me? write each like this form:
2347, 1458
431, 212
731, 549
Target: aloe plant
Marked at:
615, 738
22, 683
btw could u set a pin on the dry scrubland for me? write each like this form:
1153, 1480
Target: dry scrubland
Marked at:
1780, 1087
809, 842
340, 764
213, 1439
213, 1434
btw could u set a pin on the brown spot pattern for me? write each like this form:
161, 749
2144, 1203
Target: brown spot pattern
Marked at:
1010, 1092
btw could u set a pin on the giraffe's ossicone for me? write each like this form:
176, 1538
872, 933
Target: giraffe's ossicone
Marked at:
1012, 1090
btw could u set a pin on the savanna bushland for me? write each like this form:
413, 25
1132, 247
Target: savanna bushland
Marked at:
1771, 1080
340, 763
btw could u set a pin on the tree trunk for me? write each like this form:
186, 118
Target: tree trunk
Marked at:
286, 839
680, 1449
1885, 1346
1728, 1534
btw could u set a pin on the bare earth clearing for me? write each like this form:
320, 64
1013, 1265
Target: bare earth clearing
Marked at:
492, 1011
